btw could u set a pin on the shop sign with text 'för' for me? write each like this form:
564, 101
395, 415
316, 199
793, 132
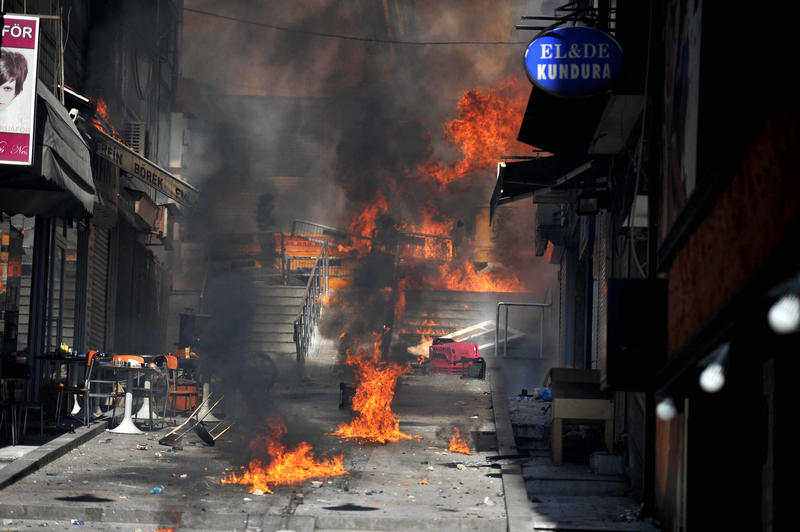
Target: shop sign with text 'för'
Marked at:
573, 61
19, 56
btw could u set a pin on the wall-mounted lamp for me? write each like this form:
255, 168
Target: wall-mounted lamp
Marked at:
784, 315
665, 409
712, 379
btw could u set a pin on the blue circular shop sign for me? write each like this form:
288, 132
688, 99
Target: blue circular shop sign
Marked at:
573, 61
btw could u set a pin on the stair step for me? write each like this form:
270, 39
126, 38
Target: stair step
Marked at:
584, 513
276, 310
271, 347
277, 301
273, 319
284, 336
281, 290
258, 329
561, 480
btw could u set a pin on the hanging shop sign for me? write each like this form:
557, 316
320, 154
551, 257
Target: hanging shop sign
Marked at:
19, 49
146, 171
573, 61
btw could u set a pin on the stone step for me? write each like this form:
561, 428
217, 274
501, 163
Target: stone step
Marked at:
584, 513
280, 291
258, 336
271, 347
268, 329
434, 312
560, 480
276, 310
277, 301
273, 319
453, 295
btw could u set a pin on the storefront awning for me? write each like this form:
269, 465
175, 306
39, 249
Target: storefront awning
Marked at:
523, 179
562, 126
59, 181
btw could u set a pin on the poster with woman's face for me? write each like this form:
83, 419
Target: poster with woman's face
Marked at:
19, 39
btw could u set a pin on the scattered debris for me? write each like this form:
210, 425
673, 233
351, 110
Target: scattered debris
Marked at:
461, 467
185, 475
316, 483
258, 492
488, 502
76, 522
423, 481
141, 447
157, 490
631, 514
430, 468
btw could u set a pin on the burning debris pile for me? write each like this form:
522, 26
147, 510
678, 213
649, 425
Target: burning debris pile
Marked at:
283, 466
458, 444
375, 383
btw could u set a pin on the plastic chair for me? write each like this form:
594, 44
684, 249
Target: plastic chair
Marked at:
16, 381
100, 388
17, 410
179, 388
75, 391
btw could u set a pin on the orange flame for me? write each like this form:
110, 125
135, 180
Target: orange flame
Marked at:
285, 467
365, 225
465, 278
375, 385
484, 131
421, 350
105, 124
177, 517
459, 444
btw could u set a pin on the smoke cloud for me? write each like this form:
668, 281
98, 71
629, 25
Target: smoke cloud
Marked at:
291, 125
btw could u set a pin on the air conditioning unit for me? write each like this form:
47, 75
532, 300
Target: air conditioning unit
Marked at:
135, 136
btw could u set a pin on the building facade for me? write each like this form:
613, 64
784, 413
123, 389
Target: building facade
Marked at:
90, 269
670, 204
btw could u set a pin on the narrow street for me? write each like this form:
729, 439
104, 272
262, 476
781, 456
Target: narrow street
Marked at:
411, 484
397, 265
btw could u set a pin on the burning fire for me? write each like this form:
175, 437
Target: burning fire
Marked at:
284, 467
465, 278
484, 130
177, 517
421, 349
103, 123
375, 384
458, 444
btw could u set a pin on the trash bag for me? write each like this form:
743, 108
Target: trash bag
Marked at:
545, 395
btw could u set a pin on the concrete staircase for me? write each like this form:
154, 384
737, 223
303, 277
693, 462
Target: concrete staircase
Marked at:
272, 326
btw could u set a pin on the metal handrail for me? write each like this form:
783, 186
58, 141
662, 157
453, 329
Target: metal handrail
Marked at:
497, 326
310, 308
312, 228
408, 239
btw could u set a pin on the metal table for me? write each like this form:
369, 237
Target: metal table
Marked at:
126, 426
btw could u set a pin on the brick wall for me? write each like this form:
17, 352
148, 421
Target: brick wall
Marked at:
750, 219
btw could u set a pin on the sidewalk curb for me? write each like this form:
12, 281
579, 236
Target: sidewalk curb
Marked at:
519, 511
38, 458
